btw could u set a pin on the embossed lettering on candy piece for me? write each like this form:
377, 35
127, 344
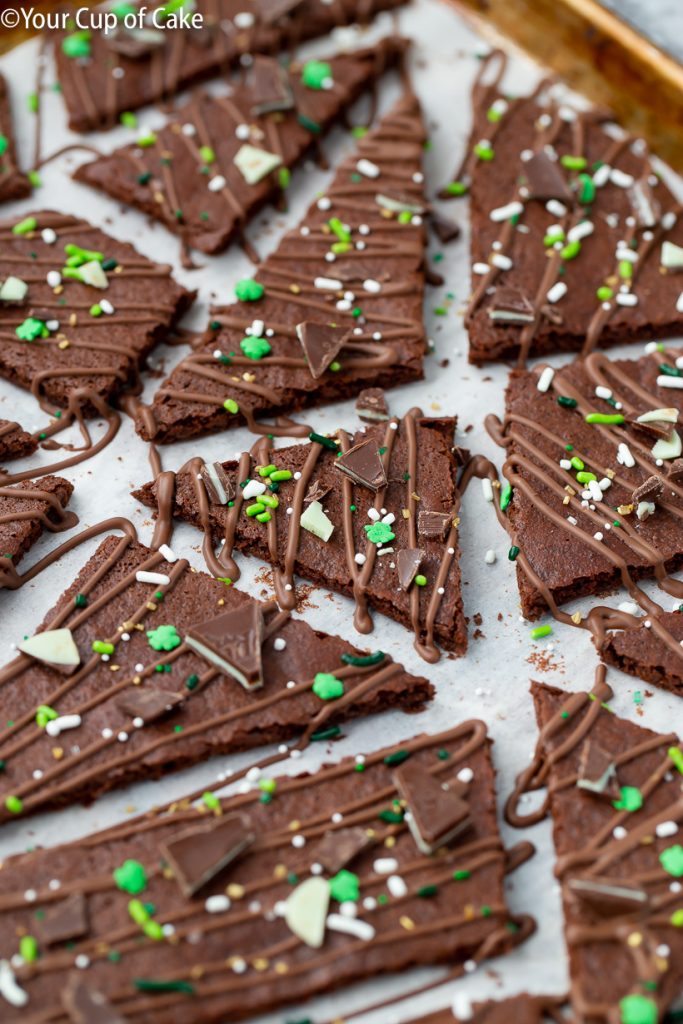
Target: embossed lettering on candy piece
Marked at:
232, 642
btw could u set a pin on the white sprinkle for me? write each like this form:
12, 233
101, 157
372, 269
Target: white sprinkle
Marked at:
481, 269
138, 723
507, 211
462, 1007
279, 644
30, 895
598, 535
581, 230
679, 303
54, 278
465, 775
624, 456
350, 926
665, 829
620, 178
122, 737
663, 950
555, 207
545, 379
217, 904
626, 299
252, 489
168, 553
629, 607
82, 961
627, 254
368, 169
61, 724
487, 489
359, 558
189, 129
619, 832
665, 381
239, 965
557, 292
601, 176
348, 909
385, 865
572, 520
160, 578
245, 19
372, 286
107, 734
327, 284
501, 261
49, 236
9, 989
217, 183
603, 392
396, 886
490, 556
298, 842
373, 514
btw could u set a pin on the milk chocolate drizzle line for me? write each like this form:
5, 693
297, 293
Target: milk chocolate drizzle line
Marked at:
216, 978
572, 723
223, 564
10, 170
81, 401
54, 517
522, 468
547, 133
24, 732
213, 382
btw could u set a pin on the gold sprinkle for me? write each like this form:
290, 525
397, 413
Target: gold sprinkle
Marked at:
577, 617
661, 964
610, 474
468, 911
294, 289
114, 668
249, 377
456, 521
415, 497
167, 872
197, 971
280, 871
73, 319
625, 510
102, 948
370, 833
167, 154
235, 891
281, 967
407, 923
566, 499
405, 512
261, 963
128, 626
634, 940
390, 842
57, 753
137, 680
294, 826
387, 214
118, 269
569, 489
59, 289
435, 406
495, 483
158, 198
220, 601
151, 606
63, 344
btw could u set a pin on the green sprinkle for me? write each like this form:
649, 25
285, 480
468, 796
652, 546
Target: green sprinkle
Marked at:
505, 496
425, 892
391, 817
77, 45
362, 660
281, 474
540, 631
268, 786
207, 154
284, 177
211, 801
604, 293
573, 163
638, 1009
586, 193
461, 876
264, 517
131, 877
566, 402
584, 477
345, 886
4, 144
513, 552
138, 911
145, 141
163, 638
249, 290
397, 757
255, 509
150, 985
255, 348
420, 580
577, 463
45, 714
316, 74
266, 470
675, 755
604, 417
326, 734
326, 442
631, 799
14, 804
338, 229
192, 682
484, 151
28, 948
625, 268
556, 235
456, 188
144, 178
671, 860
327, 686
231, 406
669, 371
102, 647
129, 120
571, 250
309, 124
31, 328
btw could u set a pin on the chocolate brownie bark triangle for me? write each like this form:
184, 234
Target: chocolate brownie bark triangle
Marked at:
27, 510
84, 310
260, 921
355, 261
154, 61
651, 655
294, 508
619, 860
132, 700
569, 213
207, 171
596, 495
13, 184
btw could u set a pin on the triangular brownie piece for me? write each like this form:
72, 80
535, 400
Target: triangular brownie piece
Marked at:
85, 310
653, 655
104, 75
355, 261
142, 703
294, 509
591, 456
13, 184
218, 161
571, 214
256, 931
15, 442
28, 509
619, 861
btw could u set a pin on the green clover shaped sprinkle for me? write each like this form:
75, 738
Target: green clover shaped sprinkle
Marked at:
76, 45
249, 290
637, 1009
671, 860
379, 533
316, 74
131, 877
255, 348
345, 886
327, 687
163, 638
45, 714
31, 329
631, 799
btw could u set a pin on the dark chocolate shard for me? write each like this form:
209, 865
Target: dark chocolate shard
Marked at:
598, 772
232, 642
433, 524
338, 849
609, 896
363, 464
269, 86
196, 855
321, 343
445, 229
676, 471
271, 11
462, 455
511, 306
654, 429
148, 703
220, 487
316, 492
545, 180
136, 44
408, 562
85, 1005
371, 405
436, 815
64, 921
650, 490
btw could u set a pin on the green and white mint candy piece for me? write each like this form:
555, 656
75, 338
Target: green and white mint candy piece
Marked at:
54, 647
659, 416
255, 164
316, 522
670, 449
306, 911
92, 274
672, 256
13, 290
